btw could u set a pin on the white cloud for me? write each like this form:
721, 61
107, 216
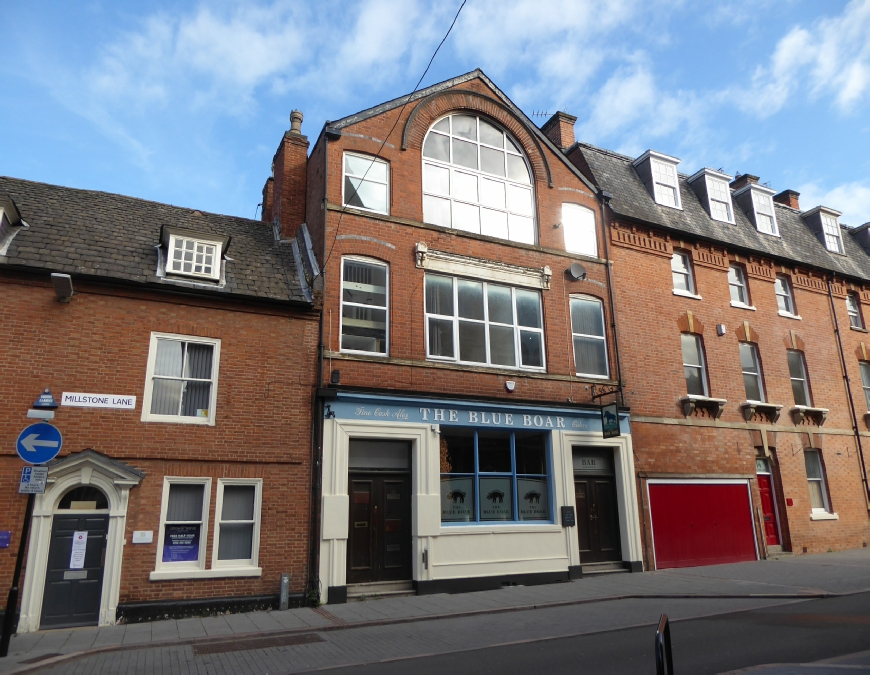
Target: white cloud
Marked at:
829, 59
853, 199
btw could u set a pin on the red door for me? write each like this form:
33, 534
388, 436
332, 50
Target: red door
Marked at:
771, 531
701, 524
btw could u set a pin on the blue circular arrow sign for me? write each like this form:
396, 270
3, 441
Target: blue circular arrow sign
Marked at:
39, 443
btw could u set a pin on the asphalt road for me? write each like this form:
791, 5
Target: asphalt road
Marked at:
793, 633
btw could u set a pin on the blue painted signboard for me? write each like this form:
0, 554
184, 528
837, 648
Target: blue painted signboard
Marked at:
181, 543
39, 443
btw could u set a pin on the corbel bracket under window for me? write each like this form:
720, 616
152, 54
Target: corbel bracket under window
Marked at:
802, 414
769, 411
478, 268
714, 407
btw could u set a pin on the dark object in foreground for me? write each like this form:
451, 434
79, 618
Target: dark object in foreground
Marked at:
664, 655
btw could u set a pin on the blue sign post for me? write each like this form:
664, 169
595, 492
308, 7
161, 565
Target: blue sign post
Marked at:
39, 443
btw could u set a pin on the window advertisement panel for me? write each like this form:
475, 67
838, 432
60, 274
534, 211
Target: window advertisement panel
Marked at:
534, 499
181, 543
496, 499
457, 499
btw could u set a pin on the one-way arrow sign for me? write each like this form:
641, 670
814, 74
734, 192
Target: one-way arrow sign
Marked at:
39, 443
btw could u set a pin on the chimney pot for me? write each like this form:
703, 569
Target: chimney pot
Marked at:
744, 180
788, 198
560, 129
296, 122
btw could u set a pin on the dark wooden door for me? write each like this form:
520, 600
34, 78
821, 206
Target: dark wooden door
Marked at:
771, 531
597, 519
72, 596
379, 539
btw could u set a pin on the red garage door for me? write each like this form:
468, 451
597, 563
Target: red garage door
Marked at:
701, 524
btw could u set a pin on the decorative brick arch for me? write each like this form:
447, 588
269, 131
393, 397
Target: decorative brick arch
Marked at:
440, 103
689, 323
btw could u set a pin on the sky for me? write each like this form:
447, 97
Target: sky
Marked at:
185, 102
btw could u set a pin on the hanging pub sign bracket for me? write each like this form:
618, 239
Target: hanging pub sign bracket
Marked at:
600, 391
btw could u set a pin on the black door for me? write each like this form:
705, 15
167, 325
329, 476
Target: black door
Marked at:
72, 596
597, 519
379, 540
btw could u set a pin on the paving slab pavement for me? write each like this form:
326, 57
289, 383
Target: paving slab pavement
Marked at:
786, 578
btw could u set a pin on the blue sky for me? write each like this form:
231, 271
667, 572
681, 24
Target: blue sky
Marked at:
185, 102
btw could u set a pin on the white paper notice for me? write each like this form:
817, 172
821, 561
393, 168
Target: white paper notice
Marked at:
77, 557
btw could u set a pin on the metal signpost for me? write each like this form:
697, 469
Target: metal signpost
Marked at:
37, 444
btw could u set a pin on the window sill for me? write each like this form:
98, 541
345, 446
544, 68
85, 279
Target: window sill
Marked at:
789, 315
823, 515
364, 209
180, 420
769, 411
377, 355
713, 406
490, 528
686, 294
740, 305
802, 413
860, 330
169, 575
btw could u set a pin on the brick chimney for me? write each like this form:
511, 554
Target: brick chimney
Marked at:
744, 180
268, 191
789, 198
290, 172
560, 129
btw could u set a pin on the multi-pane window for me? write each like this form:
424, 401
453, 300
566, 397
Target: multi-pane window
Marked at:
816, 479
765, 218
693, 365
181, 380
478, 322
493, 475
784, 295
752, 381
798, 372
681, 270
193, 257
720, 199
366, 183
578, 227
590, 345
184, 523
364, 298
476, 178
865, 381
833, 238
665, 182
853, 307
237, 526
737, 285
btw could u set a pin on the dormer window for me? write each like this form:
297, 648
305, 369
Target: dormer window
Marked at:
757, 203
713, 191
193, 254
659, 173
825, 222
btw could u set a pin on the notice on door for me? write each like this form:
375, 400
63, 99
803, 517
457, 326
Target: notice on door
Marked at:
181, 543
77, 556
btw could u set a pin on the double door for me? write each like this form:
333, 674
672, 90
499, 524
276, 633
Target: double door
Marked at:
379, 531
597, 518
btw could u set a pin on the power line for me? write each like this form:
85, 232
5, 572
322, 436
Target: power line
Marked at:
380, 149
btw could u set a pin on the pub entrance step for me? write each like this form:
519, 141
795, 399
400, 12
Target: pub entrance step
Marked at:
380, 589
592, 569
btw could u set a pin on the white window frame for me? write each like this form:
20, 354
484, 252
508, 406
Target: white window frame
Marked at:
762, 203
805, 379
147, 416
689, 274
217, 256
455, 318
788, 296
759, 378
374, 160
257, 483
713, 185
658, 168
480, 174
183, 569
864, 367
822, 481
580, 237
603, 337
832, 233
702, 365
342, 302
740, 284
853, 309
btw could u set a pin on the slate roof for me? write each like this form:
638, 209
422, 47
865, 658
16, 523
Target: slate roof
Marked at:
92, 234
797, 243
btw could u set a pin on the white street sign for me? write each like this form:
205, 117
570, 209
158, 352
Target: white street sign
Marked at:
98, 401
33, 480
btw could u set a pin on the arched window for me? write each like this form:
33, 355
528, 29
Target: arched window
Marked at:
84, 498
476, 178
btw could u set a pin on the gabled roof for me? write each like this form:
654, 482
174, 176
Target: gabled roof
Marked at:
105, 236
477, 73
796, 244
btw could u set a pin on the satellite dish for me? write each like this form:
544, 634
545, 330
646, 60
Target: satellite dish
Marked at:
577, 272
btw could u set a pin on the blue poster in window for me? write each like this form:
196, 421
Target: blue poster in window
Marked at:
181, 543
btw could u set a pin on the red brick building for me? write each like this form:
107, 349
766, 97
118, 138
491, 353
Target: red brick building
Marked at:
743, 346
461, 428
184, 366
